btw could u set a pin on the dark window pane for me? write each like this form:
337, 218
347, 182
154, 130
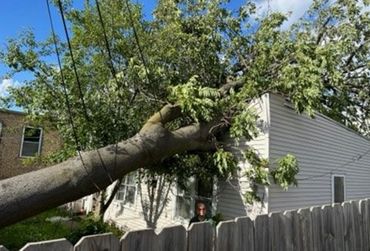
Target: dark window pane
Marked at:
130, 179
338, 189
130, 195
120, 194
32, 134
205, 188
30, 149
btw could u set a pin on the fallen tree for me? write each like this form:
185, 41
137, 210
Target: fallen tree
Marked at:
196, 62
31, 193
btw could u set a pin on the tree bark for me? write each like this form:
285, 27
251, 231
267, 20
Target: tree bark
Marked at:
34, 192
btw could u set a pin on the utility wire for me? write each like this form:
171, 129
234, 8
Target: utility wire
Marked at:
73, 60
352, 160
114, 75
138, 43
66, 98
79, 85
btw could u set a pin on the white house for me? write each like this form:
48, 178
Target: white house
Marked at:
334, 166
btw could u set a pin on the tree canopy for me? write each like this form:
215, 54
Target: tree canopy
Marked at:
196, 62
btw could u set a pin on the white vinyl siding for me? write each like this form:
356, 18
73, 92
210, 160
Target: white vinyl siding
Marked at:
31, 141
323, 147
131, 218
230, 194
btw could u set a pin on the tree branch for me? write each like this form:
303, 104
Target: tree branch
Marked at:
70, 180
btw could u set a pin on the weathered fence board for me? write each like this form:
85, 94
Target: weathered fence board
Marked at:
357, 223
200, 237
305, 223
328, 226
55, 245
2, 248
98, 242
141, 240
344, 227
296, 231
275, 241
172, 238
338, 219
287, 232
245, 234
261, 226
365, 218
227, 237
349, 231
317, 228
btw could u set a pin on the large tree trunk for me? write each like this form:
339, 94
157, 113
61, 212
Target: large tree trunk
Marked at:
31, 193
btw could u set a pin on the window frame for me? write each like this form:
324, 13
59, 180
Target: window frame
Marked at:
333, 187
188, 196
193, 197
39, 143
125, 184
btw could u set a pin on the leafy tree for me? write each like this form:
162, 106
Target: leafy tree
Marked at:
192, 70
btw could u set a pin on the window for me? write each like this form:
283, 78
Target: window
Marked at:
184, 199
31, 141
196, 189
338, 188
127, 191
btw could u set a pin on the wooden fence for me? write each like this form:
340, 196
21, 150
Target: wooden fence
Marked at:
332, 227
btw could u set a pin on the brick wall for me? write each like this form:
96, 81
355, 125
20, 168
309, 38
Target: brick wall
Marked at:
11, 140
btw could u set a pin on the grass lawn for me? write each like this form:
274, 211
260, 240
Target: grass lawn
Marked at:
38, 228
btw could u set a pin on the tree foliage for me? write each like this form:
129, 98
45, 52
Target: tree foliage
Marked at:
198, 56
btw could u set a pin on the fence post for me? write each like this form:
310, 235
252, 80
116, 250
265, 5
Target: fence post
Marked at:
98, 242
200, 237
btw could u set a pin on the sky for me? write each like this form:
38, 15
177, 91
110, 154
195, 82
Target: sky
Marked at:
19, 15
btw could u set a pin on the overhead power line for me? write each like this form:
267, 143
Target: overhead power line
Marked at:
73, 60
69, 109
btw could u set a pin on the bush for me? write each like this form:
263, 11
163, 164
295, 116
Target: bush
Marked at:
90, 225
37, 228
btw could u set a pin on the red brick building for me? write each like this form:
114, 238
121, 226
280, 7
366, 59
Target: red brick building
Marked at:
20, 140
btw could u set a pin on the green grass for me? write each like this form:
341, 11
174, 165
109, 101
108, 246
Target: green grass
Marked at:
37, 228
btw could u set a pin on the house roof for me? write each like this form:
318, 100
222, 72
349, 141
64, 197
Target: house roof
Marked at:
11, 111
